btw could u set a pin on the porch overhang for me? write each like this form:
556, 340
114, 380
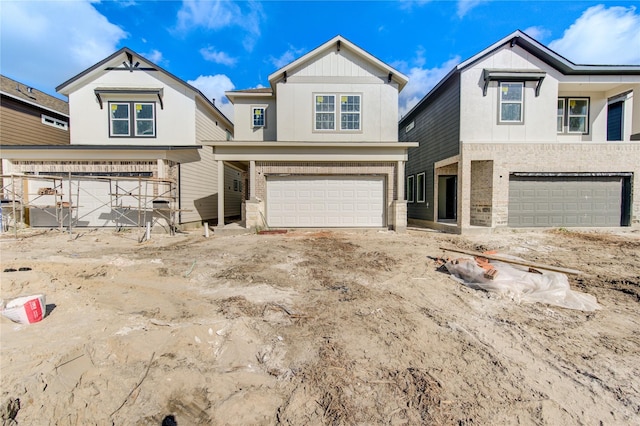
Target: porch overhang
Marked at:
179, 154
310, 151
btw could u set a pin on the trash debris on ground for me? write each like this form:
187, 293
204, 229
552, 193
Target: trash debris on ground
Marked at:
26, 309
513, 278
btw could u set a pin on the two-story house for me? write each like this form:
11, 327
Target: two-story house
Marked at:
136, 139
518, 136
320, 144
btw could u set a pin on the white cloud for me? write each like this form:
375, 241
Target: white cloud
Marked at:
154, 56
213, 87
602, 36
538, 33
220, 14
43, 44
464, 6
287, 57
212, 55
421, 81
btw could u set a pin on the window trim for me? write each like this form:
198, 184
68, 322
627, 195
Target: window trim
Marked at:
410, 189
132, 119
586, 116
54, 122
501, 102
264, 116
420, 188
337, 112
562, 116
358, 113
567, 116
315, 112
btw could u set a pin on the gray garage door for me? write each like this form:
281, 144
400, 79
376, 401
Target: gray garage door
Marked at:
565, 201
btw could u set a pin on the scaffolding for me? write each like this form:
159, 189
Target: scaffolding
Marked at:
65, 201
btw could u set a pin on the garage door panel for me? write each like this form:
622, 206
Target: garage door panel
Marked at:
328, 201
565, 201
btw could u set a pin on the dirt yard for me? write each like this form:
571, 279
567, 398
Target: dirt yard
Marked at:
339, 328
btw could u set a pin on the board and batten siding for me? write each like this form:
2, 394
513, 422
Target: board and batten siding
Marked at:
22, 125
199, 180
437, 130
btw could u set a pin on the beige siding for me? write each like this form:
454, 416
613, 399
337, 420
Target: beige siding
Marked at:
22, 128
199, 180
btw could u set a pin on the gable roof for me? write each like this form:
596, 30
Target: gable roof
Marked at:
132, 64
552, 58
339, 42
29, 95
555, 60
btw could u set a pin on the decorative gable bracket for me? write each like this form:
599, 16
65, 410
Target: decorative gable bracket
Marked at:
128, 90
513, 75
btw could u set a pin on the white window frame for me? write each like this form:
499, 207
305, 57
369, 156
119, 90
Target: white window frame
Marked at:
410, 127
316, 112
411, 189
54, 122
502, 102
569, 115
132, 119
264, 116
354, 113
420, 188
561, 116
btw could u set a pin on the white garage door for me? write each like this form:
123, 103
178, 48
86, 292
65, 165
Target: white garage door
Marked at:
325, 201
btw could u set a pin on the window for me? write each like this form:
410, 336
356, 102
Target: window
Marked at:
615, 115
55, 122
560, 123
258, 117
350, 112
577, 115
573, 115
420, 188
124, 124
325, 112
410, 189
511, 102
409, 127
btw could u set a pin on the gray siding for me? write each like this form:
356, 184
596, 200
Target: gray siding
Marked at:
437, 129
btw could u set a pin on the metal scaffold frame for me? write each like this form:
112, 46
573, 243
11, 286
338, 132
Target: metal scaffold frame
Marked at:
134, 201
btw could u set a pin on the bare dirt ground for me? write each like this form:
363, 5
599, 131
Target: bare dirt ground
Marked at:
339, 328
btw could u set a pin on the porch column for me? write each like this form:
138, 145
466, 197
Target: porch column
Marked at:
635, 119
220, 194
400, 183
252, 180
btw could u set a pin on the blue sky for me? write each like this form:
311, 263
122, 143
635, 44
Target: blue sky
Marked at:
223, 45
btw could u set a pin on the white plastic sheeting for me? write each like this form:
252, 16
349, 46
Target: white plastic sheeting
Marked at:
521, 285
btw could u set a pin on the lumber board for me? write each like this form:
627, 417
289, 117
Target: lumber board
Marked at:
514, 261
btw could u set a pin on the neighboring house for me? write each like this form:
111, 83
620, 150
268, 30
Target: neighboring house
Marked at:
518, 136
30, 117
320, 144
136, 138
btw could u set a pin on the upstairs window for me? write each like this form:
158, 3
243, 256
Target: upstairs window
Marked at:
350, 112
560, 120
258, 116
325, 110
573, 115
511, 95
55, 122
578, 115
124, 123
